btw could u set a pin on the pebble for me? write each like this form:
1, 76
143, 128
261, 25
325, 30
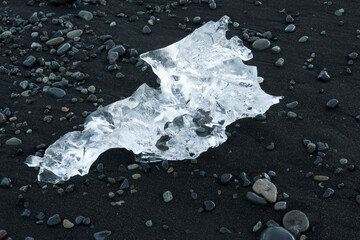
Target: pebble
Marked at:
14, 141
3, 118
5, 34
67, 224
252, 197
280, 62
56, 92
63, 49
292, 105
303, 39
149, 223
226, 178
353, 55
257, 226
332, 103
55, 41
167, 196
209, 205
276, 233
265, 188
74, 33
224, 230
146, 29
296, 219
92, 98
319, 178
102, 235
339, 12
5, 182
324, 76
29, 62
280, 206
261, 44
328, 192
196, 20
343, 161
136, 176
244, 177
54, 220
289, 19
290, 28
86, 15
275, 49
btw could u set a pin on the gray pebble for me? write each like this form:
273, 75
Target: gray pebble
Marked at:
275, 49
254, 198
328, 192
324, 76
14, 141
261, 44
29, 62
332, 103
86, 15
74, 33
296, 219
56, 92
5, 182
280, 206
146, 29
63, 49
290, 28
280, 62
292, 105
54, 220
276, 233
102, 235
303, 39
149, 223
167, 196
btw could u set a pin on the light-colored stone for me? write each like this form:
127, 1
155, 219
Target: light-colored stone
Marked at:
265, 188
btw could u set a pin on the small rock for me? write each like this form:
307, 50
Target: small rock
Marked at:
74, 33
257, 226
265, 188
209, 205
319, 178
276, 233
252, 197
67, 224
328, 192
146, 29
290, 28
280, 62
332, 103
56, 92
29, 62
14, 141
63, 49
86, 15
296, 219
54, 220
149, 223
261, 44
136, 176
102, 235
303, 39
55, 41
167, 196
324, 76
226, 178
280, 206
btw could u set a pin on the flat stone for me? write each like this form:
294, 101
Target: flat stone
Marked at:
14, 141
3, 118
292, 105
102, 235
252, 197
276, 233
54, 220
290, 28
63, 49
296, 219
29, 62
328, 192
67, 224
55, 41
5, 182
280, 62
5, 34
86, 15
167, 196
74, 33
280, 206
226, 178
120, 49
56, 92
261, 44
265, 188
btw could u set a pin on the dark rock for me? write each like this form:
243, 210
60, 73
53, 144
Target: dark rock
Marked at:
102, 235
56, 92
209, 205
29, 62
226, 178
324, 76
54, 220
332, 103
296, 219
252, 197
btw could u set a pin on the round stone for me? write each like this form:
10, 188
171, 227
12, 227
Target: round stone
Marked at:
29, 62
196, 20
261, 44
149, 223
74, 33
209, 205
276, 233
146, 29
56, 92
102, 235
303, 39
297, 220
275, 49
280, 206
226, 178
167, 196
343, 161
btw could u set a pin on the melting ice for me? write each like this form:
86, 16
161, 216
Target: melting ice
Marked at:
205, 86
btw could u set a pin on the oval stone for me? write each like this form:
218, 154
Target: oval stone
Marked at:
261, 44
55, 41
265, 188
276, 233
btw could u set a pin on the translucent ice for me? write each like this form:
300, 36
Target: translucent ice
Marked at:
205, 86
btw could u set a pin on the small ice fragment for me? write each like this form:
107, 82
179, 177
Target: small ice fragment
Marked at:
205, 86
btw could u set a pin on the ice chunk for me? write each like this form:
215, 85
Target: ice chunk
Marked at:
205, 86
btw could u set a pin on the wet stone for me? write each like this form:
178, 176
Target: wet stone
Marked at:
276, 233
275, 49
63, 49
74, 33
290, 28
324, 76
67, 224
209, 205
252, 197
280, 62
245, 178
146, 29
29, 62
261, 44
280, 206
319, 178
296, 219
292, 105
303, 39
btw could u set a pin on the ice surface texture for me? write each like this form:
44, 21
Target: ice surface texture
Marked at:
205, 86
